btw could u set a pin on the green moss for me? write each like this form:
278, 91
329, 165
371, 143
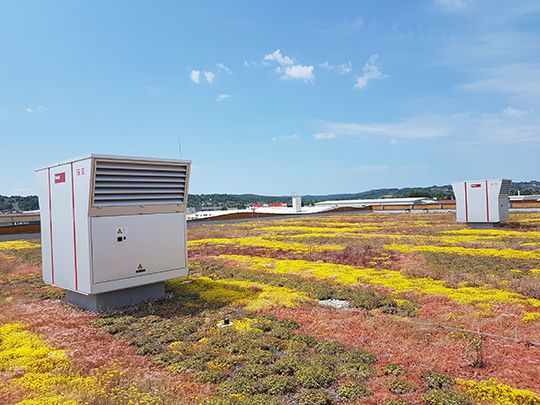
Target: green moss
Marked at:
314, 397
215, 400
314, 376
308, 340
434, 380
275, 384
191, 365
261, 399
294, 347
287, 365
393, 369
257, 399
397, 402
359, 371
359, 356
446, 397
253, 370
186, 327
210, 376
329, 348
150, 348
260, 356
281, 332
240, 386
352, 390
399, 386
323, 360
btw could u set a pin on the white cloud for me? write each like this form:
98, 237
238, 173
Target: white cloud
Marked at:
279, 58
195, 76
514, 112
370, 72
520, 81
152, 89
342, 69
288, 69
324, 135
370, 168
419, 127
343, 27
297, 72
284, 138
355, 24
198, 77
223, 69
222, 97
209, 76
35, 109
452, 5
345, 68
508, 126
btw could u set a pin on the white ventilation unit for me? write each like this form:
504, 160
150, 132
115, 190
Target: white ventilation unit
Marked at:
297, 203
482, 201
113, 222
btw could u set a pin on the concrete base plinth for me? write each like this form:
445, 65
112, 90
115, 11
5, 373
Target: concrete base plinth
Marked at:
482, 225
117, 299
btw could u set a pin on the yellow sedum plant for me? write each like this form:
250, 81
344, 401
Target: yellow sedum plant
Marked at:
531, 317
391, 279
18, 244
299, 228
257, 241
48, 376
489, 252
493, 392
498, 233
248, 294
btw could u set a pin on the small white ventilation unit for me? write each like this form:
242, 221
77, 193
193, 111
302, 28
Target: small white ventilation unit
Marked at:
297, 203
112, 222
482, 201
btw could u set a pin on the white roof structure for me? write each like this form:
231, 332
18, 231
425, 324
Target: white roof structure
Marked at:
535, 197
258, 210
374, 201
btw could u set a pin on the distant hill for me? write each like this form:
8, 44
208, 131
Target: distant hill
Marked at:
18, 203
439, 192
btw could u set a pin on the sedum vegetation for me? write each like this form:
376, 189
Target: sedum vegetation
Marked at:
48, 377
436, 314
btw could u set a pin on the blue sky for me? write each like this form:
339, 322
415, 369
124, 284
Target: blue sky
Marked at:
275, 97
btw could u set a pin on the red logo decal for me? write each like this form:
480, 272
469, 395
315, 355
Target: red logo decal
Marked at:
477, 185
60, 177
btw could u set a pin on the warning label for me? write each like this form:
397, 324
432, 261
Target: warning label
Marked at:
140, 268
121, 231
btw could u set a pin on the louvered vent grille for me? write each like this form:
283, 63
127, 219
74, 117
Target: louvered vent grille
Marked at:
139, 183
505, 187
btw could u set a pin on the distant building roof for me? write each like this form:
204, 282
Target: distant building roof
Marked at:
376, 201
533, 197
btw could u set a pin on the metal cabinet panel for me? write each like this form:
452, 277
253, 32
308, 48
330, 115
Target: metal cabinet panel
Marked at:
134, 245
